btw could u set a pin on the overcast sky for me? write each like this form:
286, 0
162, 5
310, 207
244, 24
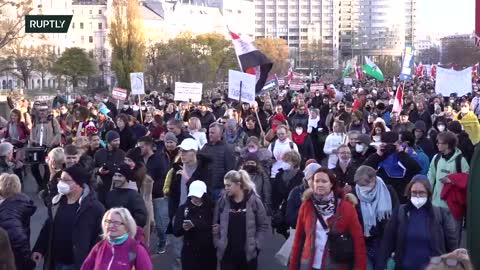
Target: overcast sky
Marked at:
446, 16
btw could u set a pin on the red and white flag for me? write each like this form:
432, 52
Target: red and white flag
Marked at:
398, 102
358, 72
419, 70
252, 61
475, 72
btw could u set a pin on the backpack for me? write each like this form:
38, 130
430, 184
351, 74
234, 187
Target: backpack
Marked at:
289, 143
458, 162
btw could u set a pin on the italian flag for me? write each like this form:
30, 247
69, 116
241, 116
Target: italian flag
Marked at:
371, 69
348, 69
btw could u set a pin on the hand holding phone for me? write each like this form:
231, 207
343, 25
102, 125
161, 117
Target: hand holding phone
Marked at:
187, 225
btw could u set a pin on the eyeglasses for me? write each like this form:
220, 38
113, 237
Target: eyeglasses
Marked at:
448, 262
113, 222
441, 143
418, 194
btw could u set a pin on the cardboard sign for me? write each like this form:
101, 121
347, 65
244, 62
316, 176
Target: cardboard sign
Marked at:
296, 85
347, 81
248, 82
137, 83
119, 93
188, 91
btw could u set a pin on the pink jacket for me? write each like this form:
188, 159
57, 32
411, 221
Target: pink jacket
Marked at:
130, 254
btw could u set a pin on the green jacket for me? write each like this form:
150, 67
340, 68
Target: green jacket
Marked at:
443, 168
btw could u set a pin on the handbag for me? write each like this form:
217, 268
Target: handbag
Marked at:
339, 245
283, 254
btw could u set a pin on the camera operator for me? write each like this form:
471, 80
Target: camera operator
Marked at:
46, 134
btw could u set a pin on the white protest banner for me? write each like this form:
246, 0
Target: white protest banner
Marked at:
248, 82
188, 91
450, 81
137, 83
119, 93
347, 81
296, 85
317, 87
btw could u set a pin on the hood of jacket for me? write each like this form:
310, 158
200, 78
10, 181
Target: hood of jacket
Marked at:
86, 191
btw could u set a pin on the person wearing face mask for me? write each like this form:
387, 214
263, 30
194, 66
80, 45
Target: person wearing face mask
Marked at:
263, 155
75, 223
325, 213
111, 106
469, 121
122, 195
258, 176
394, 165
417, 230
283, 183
377, 201
304, 143
333, 141
118, 244
362, 149
126, 108
439, 125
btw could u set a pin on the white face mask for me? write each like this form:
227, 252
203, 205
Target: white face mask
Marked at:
441, 128
252, 150
418, 202
299, 131
365, 189
63, 188
135, 107
465, 110
125, 107
105, 100
359, 148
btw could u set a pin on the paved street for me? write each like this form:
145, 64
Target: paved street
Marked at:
163, 261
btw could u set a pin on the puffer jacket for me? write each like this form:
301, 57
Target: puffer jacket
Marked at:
441, 170
15, 213
263, 188
256, 222
345, 219
220, 160
127, 256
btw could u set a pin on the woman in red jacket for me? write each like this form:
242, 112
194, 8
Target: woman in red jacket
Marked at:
310, 248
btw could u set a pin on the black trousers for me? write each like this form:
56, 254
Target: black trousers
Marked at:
41, 180
196, 260
238, 263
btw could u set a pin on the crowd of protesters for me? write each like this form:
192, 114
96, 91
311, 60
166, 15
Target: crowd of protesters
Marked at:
349, 183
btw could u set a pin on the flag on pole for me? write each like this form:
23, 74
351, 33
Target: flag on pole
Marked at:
252, 61
371, 69
475, 72
348, 69
419, 70
433, 71
398, 102
358, 72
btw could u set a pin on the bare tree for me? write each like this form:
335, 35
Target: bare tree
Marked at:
12, 23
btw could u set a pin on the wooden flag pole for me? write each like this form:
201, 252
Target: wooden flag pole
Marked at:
140, 105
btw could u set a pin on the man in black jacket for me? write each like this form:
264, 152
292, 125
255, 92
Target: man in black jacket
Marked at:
220, 159
157, 166
393, 164
421, 139
106, 159
66, 240
206, 117
176, 126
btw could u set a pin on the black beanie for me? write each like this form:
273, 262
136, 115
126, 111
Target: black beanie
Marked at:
389, 137
455, 127
78, 174
125, 170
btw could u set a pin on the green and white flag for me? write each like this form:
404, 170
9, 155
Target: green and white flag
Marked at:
348, 69
371, 69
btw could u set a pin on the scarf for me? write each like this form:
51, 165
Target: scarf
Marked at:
231, 138
299, 139
118, 240
375, 204
312, 124
325, 205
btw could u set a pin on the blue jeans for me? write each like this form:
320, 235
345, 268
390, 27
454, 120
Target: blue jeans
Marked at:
59, 266
160, 212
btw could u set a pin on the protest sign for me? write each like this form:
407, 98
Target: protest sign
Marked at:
317, 87
451, 81
296, 85
188, 91
347, 81
137, 83
407, 64
119, 93
247, 82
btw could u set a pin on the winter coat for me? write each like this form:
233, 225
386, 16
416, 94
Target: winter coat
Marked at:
7, 259
86, 231
346, 220
294, 202
455, 194
52, 133
157, 167
263, 188
15, 214
220, 160
427, 146
441, 228
441, 170
306, 150
410, 165
465, 145
347, 176
471, 125
23, 132
127, 256
111, 159
282, 185
206, 119
264, 157
130, 199
197, 249
127, 138
256, 226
